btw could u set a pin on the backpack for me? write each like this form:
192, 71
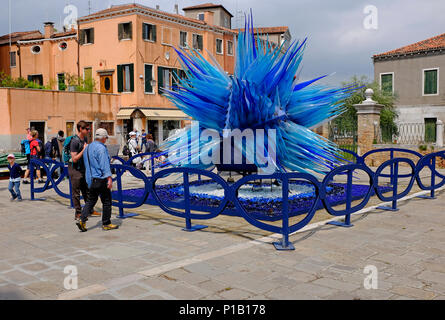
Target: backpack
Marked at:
49, 149
126, 151
24, 147
41, 154
66, 156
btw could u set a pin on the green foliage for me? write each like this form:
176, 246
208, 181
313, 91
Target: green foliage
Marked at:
6, 81
80, 84
423, 147
348, 120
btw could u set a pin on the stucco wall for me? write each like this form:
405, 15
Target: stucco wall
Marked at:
408, 76
20, 106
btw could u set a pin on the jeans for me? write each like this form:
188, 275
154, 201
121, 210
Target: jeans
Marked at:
78, 185
104, 193
15, 194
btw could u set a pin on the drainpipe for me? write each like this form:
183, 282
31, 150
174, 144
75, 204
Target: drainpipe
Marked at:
78, 52
20, 59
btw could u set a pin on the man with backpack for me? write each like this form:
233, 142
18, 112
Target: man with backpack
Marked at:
76, 167
36, 149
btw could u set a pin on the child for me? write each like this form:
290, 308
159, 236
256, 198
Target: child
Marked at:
15, 173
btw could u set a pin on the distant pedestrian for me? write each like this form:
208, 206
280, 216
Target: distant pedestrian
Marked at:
15, 173
76, 168
35, 151
133, 147
98, 177
151, 145
144, 141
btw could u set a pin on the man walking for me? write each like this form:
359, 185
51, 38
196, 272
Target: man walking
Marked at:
76, 168
98, 177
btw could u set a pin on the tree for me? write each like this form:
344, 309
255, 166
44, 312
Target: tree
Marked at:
348, 120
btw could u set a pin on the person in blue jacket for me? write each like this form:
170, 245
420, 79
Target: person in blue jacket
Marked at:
15, 173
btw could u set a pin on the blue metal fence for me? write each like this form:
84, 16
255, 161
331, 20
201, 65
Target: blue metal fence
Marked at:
186, 210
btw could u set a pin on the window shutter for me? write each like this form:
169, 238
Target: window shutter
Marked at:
130, 30
120, 31
30, 78
200, 43
144, 31
153, 33
120, 79
132, 77
148, 78
92, 35
160, 79
82, 37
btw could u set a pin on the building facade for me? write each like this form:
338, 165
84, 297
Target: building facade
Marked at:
129, 51
413, 74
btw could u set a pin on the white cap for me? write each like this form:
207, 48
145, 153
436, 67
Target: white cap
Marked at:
132, 133
101, 133
11, 156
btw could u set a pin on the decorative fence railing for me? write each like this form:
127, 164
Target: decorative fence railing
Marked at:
407, 133
188, 208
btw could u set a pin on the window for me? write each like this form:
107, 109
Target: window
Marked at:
387, 83
109, 126
183, 39
36, 78
70, 128
63, 46
148, 78
201, 16
197, 42
13, 59
149, 32
125, 31
35, 49
61, 82
125, 78
167, 36
430, 129
230, 48
430, 81
219, 46
227, 22
168, 78
86, 36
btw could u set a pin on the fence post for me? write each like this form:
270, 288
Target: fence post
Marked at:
368, 118
31, 177
394, 179
187, 205
285, 244
439, 133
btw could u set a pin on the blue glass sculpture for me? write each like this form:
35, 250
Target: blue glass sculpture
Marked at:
264, 93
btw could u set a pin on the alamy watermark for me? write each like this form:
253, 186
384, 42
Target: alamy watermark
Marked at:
371, 280
237, 146
71, 281
371, 21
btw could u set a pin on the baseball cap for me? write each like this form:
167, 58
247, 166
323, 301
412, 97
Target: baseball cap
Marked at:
11, 156
132, 133
101, 133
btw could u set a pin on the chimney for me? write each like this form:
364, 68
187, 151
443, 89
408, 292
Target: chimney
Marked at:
208, 17
49, 29
176, 8
157, 7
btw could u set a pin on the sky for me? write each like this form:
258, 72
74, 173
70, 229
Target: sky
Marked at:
342, 34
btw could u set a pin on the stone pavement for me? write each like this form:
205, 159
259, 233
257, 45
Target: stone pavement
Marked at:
149, 257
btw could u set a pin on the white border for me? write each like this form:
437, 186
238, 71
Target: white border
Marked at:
423, 82
32, 51
380, 80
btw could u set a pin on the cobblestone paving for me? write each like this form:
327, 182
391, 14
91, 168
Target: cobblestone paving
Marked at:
149, 257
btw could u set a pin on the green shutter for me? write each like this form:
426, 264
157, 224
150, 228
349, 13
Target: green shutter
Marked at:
132, 77
430, 129
92, 35
148, 78
82, 37
430, 86
200, 44
131, 30
144, 31
160, 79
153, 33
120, 79
120, 31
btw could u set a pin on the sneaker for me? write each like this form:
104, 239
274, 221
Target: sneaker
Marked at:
25, 182
82, 226
12, 199
95, 214
110, 227
19, 199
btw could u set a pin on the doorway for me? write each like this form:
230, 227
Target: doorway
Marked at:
39, 126
106, 84
128, 127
